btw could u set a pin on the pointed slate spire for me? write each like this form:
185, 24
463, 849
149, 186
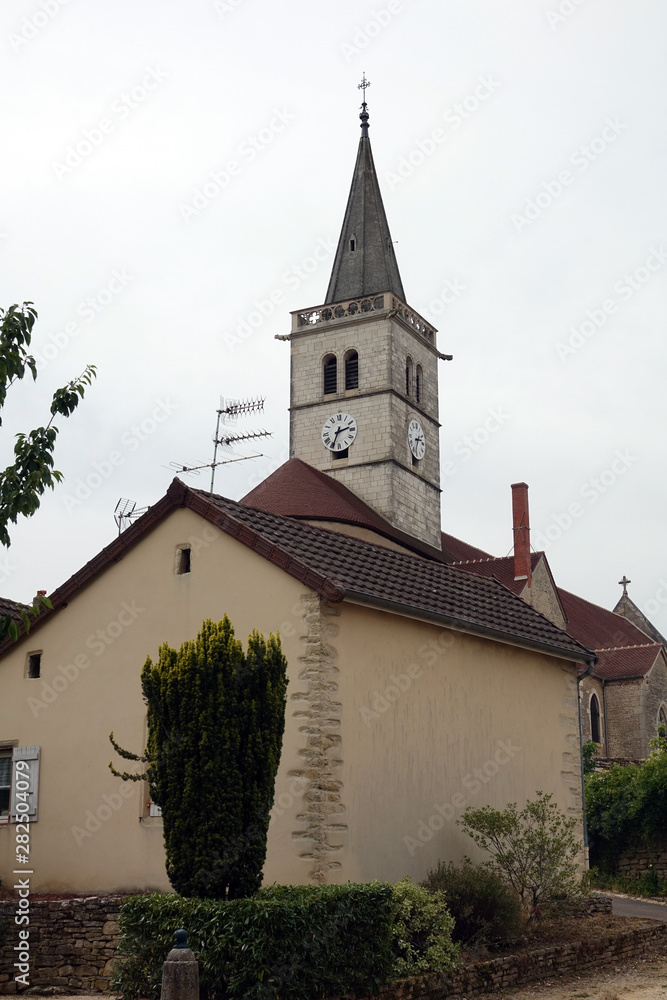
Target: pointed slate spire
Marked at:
365, 262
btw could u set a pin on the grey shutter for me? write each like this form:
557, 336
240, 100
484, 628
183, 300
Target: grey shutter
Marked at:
31, 755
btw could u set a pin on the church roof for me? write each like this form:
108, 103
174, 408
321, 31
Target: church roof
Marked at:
298, 490
365, 262
627, 608
460, 551
341, 567
621, 648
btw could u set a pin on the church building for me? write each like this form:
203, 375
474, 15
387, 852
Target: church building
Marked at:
418, 686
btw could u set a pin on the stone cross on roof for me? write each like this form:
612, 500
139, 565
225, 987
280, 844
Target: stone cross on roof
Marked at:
624, 583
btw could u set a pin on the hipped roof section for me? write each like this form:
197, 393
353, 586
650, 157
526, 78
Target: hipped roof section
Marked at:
340, 567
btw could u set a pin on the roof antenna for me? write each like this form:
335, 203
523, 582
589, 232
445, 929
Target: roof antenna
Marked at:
364, 107
229, 412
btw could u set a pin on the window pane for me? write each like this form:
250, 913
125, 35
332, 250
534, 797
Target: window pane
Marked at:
5, 771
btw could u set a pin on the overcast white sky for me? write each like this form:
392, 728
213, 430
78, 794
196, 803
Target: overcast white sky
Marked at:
114, 117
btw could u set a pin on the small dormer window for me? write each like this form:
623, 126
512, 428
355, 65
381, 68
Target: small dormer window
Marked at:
183, 560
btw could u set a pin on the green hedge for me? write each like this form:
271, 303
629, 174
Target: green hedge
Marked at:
299, 942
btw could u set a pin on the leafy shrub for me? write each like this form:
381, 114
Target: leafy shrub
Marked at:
589, 752
295, 942
534, 850
627, 805
485, 909
422, 931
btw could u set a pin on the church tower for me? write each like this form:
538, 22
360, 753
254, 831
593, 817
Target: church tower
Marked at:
364, 372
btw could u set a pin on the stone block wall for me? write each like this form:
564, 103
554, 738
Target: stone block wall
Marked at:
640, 859
72, 943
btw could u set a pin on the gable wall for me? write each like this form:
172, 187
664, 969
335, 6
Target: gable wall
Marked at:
89, 835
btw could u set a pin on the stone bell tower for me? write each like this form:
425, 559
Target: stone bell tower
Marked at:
364, 371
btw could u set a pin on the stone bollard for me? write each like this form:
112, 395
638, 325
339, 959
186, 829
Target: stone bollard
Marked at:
180, 972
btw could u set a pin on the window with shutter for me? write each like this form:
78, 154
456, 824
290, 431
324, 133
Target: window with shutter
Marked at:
22, 797
351, 370
330, 374
5, 783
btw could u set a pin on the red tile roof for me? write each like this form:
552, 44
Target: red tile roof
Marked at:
625, 662
298, 490
620, 646
339, 566
461, 551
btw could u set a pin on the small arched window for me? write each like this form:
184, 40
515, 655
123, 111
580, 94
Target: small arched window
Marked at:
330, 374
595, 719
662, 722
351, 370
419, 384
408, 376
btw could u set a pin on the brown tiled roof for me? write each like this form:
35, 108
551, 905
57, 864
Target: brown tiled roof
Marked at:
596, 626
375, 574
298, 490
625, 662
461, 551
620, 647
342, 567
11, 609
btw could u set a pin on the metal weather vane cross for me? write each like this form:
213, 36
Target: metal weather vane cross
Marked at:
364, 85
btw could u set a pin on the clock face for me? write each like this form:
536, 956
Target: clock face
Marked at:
339, 432
416, 439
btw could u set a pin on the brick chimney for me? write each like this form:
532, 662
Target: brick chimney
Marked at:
521, 527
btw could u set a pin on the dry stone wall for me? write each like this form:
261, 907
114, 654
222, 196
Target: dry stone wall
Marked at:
641, 859
72, 943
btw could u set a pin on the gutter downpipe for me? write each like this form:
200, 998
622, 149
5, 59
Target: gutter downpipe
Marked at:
587, 672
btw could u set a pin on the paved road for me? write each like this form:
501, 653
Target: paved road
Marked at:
623, 907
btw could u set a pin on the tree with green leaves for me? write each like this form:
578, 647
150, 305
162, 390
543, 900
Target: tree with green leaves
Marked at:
32, 472
534, 850
216, 718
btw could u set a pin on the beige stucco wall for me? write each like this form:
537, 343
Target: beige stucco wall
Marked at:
388, 721
72, 728
477, 722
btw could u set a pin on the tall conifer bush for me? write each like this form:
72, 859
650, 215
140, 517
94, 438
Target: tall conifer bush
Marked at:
216, 718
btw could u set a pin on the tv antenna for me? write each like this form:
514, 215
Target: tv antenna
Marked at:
126, 511
228, 413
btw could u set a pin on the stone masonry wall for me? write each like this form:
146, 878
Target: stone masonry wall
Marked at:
528, 967
72, 943
640, 859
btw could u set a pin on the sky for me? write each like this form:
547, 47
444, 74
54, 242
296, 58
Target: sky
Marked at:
175, 177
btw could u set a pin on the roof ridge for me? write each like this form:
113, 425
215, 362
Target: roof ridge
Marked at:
638, 645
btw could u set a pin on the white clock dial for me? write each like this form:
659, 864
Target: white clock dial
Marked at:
339, 432
416, 439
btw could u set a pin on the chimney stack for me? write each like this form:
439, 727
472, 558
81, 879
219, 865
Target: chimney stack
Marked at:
521, 527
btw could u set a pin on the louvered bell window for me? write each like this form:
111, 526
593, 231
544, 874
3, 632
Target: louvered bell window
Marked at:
330, 372
352, 370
